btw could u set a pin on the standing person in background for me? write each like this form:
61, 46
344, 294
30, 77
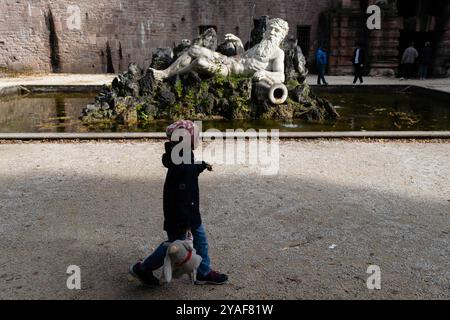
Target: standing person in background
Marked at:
358, 61
408, 61
426, 59
322, 61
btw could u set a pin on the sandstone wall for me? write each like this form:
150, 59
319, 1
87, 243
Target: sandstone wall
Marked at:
348, 25
382, 46
131, 28
442, 63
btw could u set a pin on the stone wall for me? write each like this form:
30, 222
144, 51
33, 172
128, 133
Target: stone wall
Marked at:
131, 29
348, 25
442, 63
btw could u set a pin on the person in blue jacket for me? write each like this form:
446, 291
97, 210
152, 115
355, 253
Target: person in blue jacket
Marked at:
322, 61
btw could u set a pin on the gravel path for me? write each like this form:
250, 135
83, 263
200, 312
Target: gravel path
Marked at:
442, 84
99, 206
57, 79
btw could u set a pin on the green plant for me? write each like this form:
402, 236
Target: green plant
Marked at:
179, 89
142, 115
291, 84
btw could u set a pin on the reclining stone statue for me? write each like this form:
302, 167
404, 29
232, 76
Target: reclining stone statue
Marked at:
264, 62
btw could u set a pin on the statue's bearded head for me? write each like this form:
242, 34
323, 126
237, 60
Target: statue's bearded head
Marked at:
277, 30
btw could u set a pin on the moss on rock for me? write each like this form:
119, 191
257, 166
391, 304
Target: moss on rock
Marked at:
135, 97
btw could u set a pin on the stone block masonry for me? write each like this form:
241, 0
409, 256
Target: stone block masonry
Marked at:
131, 29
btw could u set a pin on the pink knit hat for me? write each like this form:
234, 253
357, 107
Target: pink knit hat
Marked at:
191, 128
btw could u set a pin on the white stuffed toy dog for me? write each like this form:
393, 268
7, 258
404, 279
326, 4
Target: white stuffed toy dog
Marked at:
181, 258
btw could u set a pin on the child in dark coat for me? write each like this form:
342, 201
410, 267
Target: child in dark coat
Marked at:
181, 208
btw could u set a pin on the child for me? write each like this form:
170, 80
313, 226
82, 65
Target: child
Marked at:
181, 209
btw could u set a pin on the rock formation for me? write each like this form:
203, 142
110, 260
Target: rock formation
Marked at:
136, 96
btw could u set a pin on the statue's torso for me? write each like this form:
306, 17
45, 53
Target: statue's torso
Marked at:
246, 65
253, 65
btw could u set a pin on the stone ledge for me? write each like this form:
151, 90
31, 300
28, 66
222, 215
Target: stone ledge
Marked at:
283, 135
13, 90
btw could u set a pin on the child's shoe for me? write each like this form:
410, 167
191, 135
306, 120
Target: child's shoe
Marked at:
213, 277
147, 279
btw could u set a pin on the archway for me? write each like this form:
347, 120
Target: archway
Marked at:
423, 21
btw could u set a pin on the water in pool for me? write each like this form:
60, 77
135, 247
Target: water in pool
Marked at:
360, 111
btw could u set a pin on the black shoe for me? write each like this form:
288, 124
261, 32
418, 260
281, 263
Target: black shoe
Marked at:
212, 278
147, 279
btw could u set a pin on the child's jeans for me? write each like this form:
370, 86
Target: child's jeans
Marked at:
156, 259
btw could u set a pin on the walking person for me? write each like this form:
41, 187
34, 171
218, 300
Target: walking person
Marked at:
426, 59
358, 61
408, 61
181, 208
322, 61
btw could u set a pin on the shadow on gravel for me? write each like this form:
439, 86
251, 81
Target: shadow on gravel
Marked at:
271, 234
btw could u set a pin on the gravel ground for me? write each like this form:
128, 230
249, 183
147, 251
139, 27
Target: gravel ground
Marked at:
442, 84
99, 206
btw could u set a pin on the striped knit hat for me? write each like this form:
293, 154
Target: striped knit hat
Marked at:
191, 128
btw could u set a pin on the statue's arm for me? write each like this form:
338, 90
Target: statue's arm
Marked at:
237, 43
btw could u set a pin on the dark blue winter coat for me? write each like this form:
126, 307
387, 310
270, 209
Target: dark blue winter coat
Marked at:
181, 194
321, 56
